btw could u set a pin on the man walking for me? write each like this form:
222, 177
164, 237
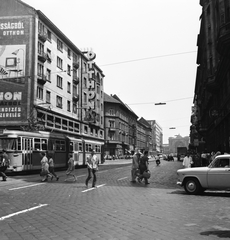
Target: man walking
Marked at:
135, 165
92, 165
4, 164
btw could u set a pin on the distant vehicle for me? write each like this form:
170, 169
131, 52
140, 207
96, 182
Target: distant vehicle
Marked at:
215, 176
181, 152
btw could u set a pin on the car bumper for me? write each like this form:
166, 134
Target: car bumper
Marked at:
179, 183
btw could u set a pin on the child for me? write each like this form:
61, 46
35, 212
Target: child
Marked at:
71, 168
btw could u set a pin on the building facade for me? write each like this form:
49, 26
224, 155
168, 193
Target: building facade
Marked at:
47, 83
157, 137
210, 129
120, 127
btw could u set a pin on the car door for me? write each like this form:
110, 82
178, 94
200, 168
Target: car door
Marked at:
218, 176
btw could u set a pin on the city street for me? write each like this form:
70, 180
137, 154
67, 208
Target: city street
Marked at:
116, 209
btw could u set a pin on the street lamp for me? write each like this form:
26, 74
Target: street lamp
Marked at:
172, 128
23, 59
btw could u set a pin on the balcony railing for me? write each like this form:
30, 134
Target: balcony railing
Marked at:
42, 56
41, 78
42, 36
76, 98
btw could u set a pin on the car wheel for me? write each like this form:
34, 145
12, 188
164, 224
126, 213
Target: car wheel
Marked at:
192, 186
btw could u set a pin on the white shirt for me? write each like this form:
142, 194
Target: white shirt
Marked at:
187, 162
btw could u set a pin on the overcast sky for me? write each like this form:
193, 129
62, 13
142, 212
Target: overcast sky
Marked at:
146, 49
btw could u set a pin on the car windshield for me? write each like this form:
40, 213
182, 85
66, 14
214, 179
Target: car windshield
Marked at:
219, 163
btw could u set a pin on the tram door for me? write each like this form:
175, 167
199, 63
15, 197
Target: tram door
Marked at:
27, 147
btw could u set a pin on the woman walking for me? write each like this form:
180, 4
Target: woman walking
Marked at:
51, 167
71, 168
143, 166
45, 168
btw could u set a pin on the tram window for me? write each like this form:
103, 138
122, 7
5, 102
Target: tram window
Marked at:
71, 146
51, 145
44, 144
80, 146
37, 144
86, 147
8, 144
76, 146
19, 144
60, 145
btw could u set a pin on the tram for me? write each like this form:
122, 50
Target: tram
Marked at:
24, 149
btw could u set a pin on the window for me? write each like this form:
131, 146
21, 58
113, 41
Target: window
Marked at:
39, 93
111, 112
59, 63
64, 124
74, 90
48, 74
68, 105
59, 45
85, 82
68, 87
49, 35
59, 81
49, 55
85, 129
68, 70
75, 108
48, 96
59, 102
40, 48
60, 145
69, 53
76, 127
40, 69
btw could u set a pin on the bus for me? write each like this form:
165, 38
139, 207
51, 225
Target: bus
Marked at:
24, 149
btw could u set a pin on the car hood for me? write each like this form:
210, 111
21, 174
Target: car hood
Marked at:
193, 170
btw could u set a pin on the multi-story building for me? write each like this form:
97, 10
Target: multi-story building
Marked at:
144, 133
47, 83
120, 127
210, 130
157, 137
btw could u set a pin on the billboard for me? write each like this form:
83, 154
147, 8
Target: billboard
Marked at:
15, 89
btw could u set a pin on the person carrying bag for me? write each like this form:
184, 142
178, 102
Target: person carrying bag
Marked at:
144, 168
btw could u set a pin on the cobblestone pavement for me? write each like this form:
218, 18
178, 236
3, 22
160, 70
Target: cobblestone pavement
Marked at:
116, 209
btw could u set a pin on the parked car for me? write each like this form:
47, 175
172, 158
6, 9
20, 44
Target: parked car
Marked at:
216, 176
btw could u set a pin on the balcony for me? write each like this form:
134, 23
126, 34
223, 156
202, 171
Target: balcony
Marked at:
223, 39
112, 129
41, 79
76, 98
76, 80
42, 36
42, 56
75, 65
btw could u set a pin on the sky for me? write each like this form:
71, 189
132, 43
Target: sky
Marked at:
146, 49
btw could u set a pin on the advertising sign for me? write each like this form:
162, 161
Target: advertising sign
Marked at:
14, 44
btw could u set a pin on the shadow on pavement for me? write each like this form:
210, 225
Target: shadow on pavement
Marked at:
205, 194
218, 233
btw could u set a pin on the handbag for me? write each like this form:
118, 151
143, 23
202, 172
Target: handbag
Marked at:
43, 172
146, 174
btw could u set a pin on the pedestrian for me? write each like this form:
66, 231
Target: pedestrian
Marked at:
143, 166
51, 167
135, 165
4, 164
45, 168
71, 169
187, 162
92, 166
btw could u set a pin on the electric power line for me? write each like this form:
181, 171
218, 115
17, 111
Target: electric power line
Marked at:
173, 100
147, 58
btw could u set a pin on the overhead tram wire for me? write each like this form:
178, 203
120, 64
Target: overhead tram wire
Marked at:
173, 100
147, 58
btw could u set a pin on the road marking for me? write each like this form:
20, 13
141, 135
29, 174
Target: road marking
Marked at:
26, 186
23, 211
121, 178
90, 189
103, 171
81, 176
